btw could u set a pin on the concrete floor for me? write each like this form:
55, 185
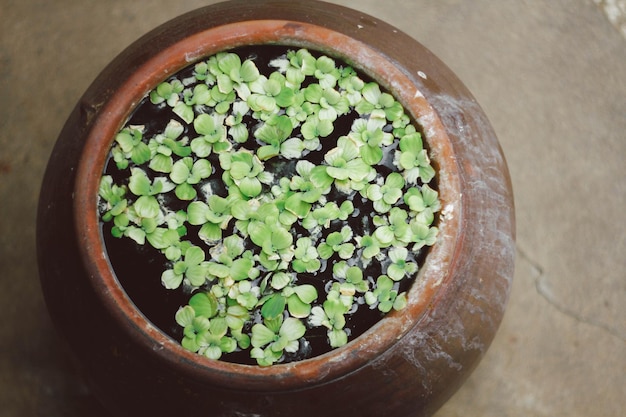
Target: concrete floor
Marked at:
551, 77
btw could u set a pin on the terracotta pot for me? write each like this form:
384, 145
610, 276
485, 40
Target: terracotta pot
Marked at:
409, 363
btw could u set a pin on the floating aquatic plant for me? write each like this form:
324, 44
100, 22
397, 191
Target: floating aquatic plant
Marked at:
272, 218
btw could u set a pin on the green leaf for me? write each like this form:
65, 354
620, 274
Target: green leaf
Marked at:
261, 335
140, 153
259, 232
280, 280
371, 155
229, 63
384, 283
173, 253
184, 111
298, 207
358, 169
239, 169
281, 238
161, 163
318, 317
398, 254
125, 140
161, 185
148, 225
218, 204
292, 328
201, 95
338, 173
325, 251
374, 192
201, 169
371, 92
267, 152
204, 124
210, 232
204, 304
219, 270
194, 255
250, 187
309, 128
335, 238
224, 83
298, 308
394, 180
292, 148
185, 192
320, 177
248, 71
430, 197
411, 144
147, 207
384, 235
337, 338
273, 307
346, 251
240, 268
400, 302
228, 345
197, 213
196, 274
395, 272
181, 170
307, 293
185, 315
170, 280
354, 274
136, 234
239, 133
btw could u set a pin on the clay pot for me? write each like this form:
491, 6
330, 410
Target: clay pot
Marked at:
409, 363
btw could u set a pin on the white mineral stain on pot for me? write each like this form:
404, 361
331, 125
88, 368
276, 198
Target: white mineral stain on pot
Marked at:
193, 56
428, 121
448, 212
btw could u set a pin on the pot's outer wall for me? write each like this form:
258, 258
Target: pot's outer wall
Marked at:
412, 378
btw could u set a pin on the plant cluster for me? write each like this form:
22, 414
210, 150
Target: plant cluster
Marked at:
265, 195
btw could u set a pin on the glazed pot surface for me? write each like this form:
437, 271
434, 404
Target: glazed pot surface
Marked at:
407, 364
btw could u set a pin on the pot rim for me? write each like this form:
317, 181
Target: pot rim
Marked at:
154, 69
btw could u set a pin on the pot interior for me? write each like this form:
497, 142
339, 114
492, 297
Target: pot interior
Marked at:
125, 104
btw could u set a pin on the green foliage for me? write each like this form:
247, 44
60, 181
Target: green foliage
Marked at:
243, 169
113, 197
130, 145
212, 136
337, 242
204, 334
274, 133
306, 256
213, 216
186, 173
386, 195
270, 339
332, 316
192, 267
246, 222
413, 159
385, 296
167, 92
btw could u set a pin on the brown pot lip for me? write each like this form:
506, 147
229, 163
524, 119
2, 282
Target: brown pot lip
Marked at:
317, 370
